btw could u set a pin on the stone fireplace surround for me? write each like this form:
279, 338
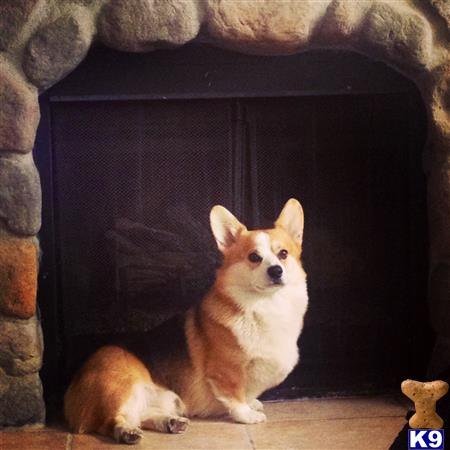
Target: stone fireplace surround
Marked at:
43, 40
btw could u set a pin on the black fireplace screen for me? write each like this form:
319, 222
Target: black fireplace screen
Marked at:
133, 181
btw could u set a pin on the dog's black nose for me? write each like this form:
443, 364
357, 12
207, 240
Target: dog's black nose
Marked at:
275, 272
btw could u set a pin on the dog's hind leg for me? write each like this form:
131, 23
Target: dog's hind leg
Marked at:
165, 414
164, 423
109, 395
127, 430
128, 419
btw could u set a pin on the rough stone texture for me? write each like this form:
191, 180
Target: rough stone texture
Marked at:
84, 2
21, 400
20, 194
58, 48
21, 346
399, 33
342, 20
143, 25
13, 15
441, 95
19, 112
443, 8
271, 26
18, 277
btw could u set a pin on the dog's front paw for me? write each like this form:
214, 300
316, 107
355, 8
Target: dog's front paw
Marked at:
256, 405
256, 417
245, 414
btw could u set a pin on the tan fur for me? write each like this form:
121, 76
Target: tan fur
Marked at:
225, 371
96, 394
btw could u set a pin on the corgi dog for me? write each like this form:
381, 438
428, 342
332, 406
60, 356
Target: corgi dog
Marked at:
239, 341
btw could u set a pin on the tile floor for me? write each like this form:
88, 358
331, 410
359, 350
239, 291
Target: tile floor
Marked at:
363, 423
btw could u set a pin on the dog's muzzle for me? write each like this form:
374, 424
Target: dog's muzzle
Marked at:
275, 273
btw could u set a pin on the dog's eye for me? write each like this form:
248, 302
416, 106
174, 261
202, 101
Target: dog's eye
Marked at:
254, 257
283, 254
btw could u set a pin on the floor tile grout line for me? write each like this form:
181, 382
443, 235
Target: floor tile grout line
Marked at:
69, 441
252, 442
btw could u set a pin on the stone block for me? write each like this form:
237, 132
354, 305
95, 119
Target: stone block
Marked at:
441, 95
342, 20
13, 15
19, 112
399, 33
21, 400
21, 346
20, 194
443, 9
18, 277
143, 25
57, 48
269, 27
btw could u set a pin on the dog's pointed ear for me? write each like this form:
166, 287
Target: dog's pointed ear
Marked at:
291, 220
225, 227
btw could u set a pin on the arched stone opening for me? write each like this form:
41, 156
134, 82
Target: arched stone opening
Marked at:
41, 41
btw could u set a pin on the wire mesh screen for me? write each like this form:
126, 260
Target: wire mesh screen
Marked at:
135, 180
134, 188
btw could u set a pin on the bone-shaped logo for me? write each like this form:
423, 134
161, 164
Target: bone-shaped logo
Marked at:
425, 396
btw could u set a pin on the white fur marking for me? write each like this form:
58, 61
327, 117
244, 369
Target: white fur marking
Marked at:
244, 414
268, 329
264, 249
262, 242
142, 396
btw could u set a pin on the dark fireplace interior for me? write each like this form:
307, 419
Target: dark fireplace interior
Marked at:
134, 150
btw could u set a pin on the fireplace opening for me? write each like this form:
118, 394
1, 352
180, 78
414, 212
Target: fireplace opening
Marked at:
134, 150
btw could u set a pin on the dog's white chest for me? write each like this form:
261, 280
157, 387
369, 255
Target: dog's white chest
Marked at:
267, 335
268, 332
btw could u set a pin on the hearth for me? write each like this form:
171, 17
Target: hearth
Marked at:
134, 151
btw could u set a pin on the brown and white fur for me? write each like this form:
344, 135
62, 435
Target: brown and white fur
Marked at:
239, 341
